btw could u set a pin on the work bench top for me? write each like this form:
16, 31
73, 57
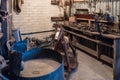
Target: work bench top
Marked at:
112, 36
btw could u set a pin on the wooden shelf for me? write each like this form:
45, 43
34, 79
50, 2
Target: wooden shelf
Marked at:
71, 27
86, 49
79, 35
111, 36
92, 20
107, 59
92, 33
105, 44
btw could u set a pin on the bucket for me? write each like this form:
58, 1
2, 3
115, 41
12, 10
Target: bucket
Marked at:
42, 64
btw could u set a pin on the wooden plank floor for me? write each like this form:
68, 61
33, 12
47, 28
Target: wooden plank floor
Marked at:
91, 69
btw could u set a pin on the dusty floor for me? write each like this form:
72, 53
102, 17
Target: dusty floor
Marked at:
91, 69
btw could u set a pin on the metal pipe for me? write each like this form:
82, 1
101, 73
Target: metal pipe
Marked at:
37, 32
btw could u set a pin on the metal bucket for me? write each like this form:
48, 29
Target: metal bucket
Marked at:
44, 55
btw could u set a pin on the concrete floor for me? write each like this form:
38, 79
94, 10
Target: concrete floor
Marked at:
91, 69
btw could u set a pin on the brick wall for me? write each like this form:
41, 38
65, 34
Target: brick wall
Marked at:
35, 16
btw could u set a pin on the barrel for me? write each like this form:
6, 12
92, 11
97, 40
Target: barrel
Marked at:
42, 64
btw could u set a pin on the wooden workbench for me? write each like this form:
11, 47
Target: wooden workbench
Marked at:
104, 46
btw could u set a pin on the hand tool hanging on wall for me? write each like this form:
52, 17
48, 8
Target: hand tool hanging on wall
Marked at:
98, 6
116, 11
70, 6
17, 5
107, 6
101, 7
112, 8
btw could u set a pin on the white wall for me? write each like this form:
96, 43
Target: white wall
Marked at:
36, 16
114, 9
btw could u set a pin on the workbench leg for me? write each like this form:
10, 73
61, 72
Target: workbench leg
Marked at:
116, 64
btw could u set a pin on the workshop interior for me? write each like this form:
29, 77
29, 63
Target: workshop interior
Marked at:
59, 39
